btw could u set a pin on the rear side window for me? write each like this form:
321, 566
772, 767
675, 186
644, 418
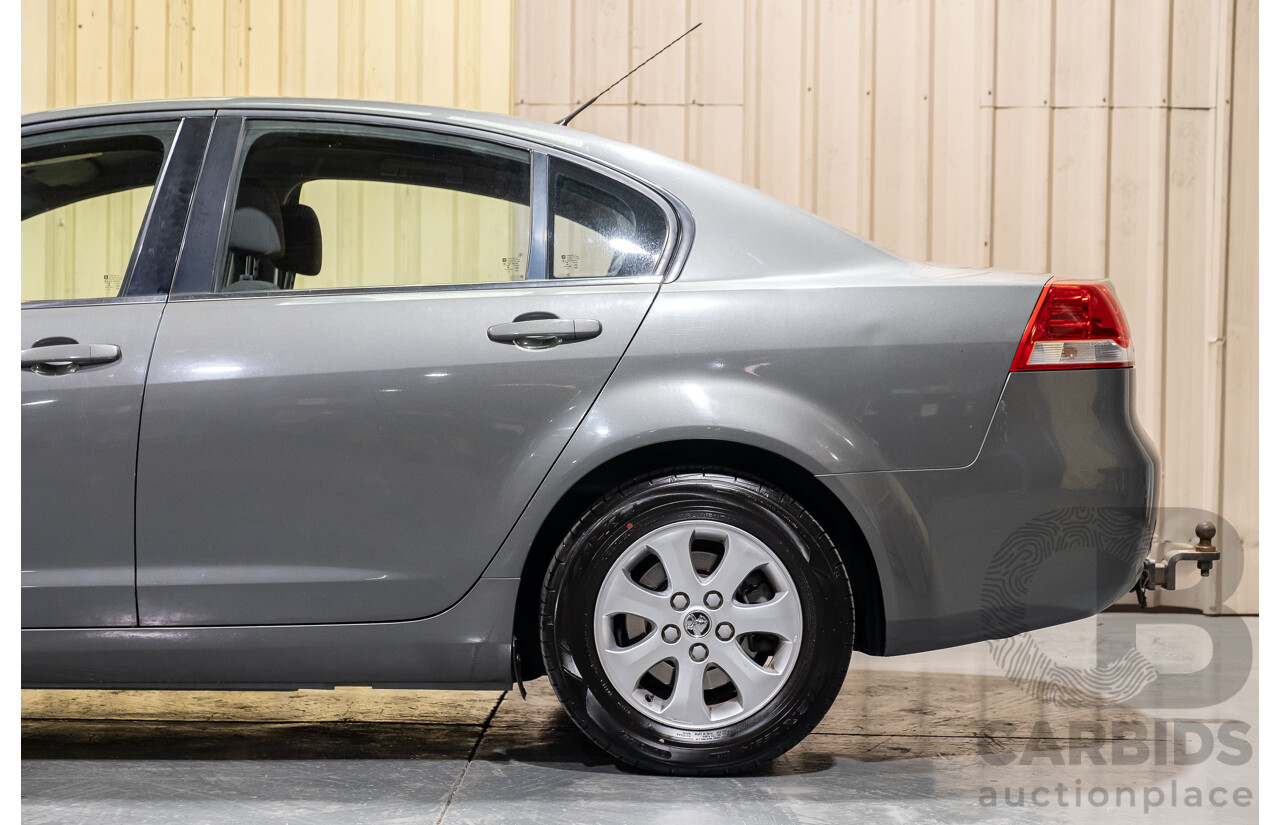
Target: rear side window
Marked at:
325, 206
85, 195
600, 226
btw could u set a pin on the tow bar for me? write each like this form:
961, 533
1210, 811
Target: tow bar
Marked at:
1157, 574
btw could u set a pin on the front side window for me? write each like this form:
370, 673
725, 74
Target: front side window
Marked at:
334, 206
84, 198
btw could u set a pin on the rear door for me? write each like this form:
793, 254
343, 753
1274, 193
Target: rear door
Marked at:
102, 214
371, 363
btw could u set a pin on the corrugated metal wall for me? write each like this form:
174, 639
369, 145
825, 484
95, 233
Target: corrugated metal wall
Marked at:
443, 52
1089, 137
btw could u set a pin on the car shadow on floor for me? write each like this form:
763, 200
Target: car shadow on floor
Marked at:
879, 716
93, 739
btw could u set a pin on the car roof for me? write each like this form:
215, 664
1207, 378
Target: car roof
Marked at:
204, 104
568, 139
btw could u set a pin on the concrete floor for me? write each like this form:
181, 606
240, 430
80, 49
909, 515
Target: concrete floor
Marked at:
938, 737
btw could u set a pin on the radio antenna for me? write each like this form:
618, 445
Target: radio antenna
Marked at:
565, 121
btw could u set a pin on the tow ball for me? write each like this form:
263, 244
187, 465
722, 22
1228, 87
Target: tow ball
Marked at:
1157, 574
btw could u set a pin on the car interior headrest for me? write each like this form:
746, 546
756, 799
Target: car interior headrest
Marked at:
253, 233
301, 240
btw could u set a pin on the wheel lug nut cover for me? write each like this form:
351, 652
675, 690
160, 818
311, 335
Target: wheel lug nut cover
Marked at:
679, 601
713, 600
724, 632
670, 634
698, 653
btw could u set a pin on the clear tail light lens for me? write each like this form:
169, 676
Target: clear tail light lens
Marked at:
1075, 325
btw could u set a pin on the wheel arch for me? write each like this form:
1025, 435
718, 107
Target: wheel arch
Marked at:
767, 466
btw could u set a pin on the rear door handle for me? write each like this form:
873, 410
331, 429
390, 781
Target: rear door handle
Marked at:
63, 358
541, 333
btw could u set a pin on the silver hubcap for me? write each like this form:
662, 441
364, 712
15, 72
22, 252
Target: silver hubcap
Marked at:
698, 624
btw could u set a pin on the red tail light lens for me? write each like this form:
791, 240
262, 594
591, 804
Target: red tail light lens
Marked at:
1075, 325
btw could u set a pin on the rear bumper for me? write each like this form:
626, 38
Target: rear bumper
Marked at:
1049, 524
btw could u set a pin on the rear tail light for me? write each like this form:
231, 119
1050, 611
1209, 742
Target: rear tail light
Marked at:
1075, 325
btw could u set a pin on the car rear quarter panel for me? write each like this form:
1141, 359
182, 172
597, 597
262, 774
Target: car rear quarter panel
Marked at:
872, 366
883, 378
793, 335
842, 372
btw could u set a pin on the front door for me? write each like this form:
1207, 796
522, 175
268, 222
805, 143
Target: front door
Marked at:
98, 249
347, 420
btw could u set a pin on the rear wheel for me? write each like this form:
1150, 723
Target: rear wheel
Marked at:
696, 623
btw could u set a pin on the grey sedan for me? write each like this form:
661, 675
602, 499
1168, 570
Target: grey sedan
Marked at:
321, 393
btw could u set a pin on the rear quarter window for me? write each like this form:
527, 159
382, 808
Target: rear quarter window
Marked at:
601, 227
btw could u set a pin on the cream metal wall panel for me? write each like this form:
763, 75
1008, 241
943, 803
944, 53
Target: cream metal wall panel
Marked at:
716, 76
1082, 53
751, 36
208, 32
651, 20
380, 29
39, 26
236, 47
1187, 335
779, 121
600, 39
150, 32
443, 52
543, 65
715, 139
1136, 245
122, 51
1201, 302
93, 51
612, 121
1089, 138
1024, 52
293, 61
1078, 229
1140, 57
264, 38
843, 104
64, 58
984, 198
439, 64
809, 110
320, 49
902, 134
1020, 203
1195, 64
661, 128
1239, 494
961, 146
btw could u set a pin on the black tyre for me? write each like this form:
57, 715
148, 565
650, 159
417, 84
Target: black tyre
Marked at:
696, 623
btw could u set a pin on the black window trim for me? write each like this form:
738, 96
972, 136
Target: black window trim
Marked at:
77, 121
197, 272
209, 220
178, 174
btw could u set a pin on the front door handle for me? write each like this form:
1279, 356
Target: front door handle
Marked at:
540, 333
60, 359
